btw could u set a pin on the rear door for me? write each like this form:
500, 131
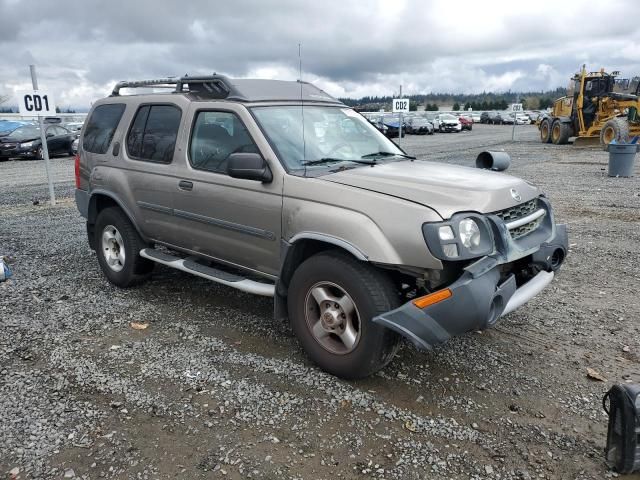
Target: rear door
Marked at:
148, 174
236, 221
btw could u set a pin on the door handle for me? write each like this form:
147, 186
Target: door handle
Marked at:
185, 185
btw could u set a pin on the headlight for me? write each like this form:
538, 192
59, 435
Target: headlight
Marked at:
26, 145
469, 233
464, 236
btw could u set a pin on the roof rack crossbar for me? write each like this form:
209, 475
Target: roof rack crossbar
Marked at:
217, 85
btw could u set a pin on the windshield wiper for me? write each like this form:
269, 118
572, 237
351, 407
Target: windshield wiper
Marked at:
320, 161
388, 154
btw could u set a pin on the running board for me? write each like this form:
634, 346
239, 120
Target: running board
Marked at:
189, 265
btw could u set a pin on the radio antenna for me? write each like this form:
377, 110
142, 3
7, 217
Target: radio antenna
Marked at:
304, 145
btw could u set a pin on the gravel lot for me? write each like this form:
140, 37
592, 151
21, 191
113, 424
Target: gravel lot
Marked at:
215, 388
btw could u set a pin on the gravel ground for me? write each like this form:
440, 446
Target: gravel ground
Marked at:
215, 388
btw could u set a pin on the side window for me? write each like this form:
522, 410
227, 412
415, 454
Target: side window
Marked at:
134, 139
101, 126
153, 133
214, 137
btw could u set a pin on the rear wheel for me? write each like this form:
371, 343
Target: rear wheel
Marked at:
331, 301
118, 248
559, 132
614, 129
545, 131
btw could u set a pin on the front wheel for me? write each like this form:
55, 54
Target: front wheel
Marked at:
118, 248
332, 299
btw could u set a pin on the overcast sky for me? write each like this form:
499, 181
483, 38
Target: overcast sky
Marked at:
349, 48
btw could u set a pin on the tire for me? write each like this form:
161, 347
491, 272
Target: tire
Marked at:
614, 129
335, 275
545, 131
559, 133
118, 248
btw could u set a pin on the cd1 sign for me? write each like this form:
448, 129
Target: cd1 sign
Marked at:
36, 103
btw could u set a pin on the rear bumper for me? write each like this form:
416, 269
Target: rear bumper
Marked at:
479, 298
82, 202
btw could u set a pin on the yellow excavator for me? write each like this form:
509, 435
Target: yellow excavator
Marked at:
600, 110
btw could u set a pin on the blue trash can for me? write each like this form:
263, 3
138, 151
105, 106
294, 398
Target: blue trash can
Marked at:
621, 159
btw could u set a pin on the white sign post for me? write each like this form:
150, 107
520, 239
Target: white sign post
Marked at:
515, 108
39, 103
400, 105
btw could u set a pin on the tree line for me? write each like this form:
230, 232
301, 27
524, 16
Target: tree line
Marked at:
482, 101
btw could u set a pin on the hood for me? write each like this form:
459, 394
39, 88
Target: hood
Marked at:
445, 188
26, 138
449, 121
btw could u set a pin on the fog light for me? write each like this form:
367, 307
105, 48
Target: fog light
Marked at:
623, 434
450, 250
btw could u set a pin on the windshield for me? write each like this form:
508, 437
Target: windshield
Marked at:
25, 132
321, 133
446, 116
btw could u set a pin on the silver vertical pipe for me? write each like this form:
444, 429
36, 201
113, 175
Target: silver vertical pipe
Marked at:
43, 140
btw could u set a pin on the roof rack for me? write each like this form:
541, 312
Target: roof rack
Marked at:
216, 86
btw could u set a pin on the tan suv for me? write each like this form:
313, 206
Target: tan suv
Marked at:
276, 188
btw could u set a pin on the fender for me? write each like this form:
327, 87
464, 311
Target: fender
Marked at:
323, 237
291, 256
92, 214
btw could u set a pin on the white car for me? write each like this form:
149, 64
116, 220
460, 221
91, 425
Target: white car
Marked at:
449, 123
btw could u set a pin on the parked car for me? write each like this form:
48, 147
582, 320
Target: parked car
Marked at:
25, 142
507, 118
74, 126
522, 119
390, 126
495, 118
485, 118
449, 123
8, 126
465, 122
433, 118
358, 243
475, 116
419, 126
74, 146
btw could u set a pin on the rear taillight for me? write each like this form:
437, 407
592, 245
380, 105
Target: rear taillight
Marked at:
77, 170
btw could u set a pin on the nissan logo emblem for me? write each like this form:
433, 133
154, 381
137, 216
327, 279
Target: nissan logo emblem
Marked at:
516, 196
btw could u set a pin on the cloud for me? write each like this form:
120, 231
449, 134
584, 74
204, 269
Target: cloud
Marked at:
82, 47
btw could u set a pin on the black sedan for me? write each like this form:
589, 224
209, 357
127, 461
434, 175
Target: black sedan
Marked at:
24, 142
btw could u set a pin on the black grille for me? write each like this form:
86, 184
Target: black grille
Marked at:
519, 211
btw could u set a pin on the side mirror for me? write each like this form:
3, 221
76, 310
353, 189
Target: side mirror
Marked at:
49, 135
250, 166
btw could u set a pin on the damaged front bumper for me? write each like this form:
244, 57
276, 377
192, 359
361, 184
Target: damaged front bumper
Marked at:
478, 298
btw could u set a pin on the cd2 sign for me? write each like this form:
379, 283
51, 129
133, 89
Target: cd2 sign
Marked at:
36, 103
400, 105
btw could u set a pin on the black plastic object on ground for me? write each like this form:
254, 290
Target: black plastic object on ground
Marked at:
621, 159
497, 161
623, 434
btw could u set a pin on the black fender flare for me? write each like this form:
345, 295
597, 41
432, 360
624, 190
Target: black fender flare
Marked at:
92, 211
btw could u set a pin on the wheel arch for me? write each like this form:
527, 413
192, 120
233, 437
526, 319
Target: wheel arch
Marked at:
299, 248
99, 200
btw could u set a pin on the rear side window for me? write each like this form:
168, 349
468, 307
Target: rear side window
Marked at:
153, 133
101, 127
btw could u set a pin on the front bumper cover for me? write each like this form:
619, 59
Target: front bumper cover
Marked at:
479, 297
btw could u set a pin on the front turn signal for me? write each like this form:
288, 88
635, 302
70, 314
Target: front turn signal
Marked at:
432, 298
